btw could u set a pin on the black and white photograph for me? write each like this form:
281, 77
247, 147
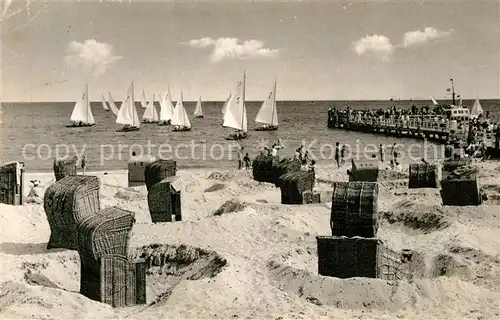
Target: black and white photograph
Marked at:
231, 159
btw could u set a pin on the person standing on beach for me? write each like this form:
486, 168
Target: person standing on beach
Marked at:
84, 164
382, 153
246, 159
394, 152
240, 158
342, 154
337, 154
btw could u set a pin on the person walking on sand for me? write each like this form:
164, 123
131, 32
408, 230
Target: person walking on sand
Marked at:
382, 152
337, 154
84, 164
240, 158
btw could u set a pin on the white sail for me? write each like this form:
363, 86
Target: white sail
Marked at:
82, 113
104, 104
180, 117
144, 101
224, 107
434, 102
166, 107
112, 104
150, 114
198, 112
268, 113
236, 112
477, 110
128, 112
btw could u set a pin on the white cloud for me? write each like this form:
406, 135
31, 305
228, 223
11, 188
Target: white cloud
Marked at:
232, 48
201, 43
92, 55
419, 37
376, 44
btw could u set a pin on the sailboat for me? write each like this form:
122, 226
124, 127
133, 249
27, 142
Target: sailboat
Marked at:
144, 103
180, 119
112, 104
166, 109
150, 114
198, 112
103, 101
236, 113
128, 113
434, 102
477, 110
268, 114
82, 113
224, 107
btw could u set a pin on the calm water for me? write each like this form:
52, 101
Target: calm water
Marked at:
34, 132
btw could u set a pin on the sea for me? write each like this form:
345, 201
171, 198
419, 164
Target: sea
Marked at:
36, 133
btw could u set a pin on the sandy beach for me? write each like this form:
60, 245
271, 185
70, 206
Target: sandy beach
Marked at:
260, 261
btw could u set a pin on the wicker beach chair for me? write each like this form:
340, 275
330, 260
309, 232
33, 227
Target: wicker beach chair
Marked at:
12, 183
344, 257
284, 166
158, 170
263, 168
461, 188
294, 184
423, 175
164, 200
451, 165
65, 167
366, 172
67, 202
268, 168
106, 273
354, 209
136, 169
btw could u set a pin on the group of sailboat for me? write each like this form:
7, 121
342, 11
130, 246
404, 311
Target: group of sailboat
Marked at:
234, 112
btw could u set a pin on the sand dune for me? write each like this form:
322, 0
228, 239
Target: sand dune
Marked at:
260, 261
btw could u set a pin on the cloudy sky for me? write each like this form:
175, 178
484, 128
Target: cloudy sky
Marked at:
316, 50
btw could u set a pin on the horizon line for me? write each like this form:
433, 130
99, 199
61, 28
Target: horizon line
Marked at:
297, 100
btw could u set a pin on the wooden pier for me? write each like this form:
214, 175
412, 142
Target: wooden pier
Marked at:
430, 127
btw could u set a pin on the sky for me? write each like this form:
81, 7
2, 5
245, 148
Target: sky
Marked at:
315, 50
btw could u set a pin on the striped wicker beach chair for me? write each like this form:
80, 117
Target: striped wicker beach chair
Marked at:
12, 183
344, 257
67, 202
294, 184
136, 167
164, 200
423, 175
158, 170
354, 209
106, 273
65, 167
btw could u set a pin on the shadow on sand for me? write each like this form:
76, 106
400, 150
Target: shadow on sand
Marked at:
19, 249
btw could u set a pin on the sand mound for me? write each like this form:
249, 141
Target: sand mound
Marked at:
215, 187
168, 265
447, 265
424, 219
130, 195
385, 175
230, 207
221, 176
370, 294
24, 301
